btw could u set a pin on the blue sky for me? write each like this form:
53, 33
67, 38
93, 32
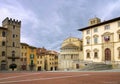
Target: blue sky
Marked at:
47, 23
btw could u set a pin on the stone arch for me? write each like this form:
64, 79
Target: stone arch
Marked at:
107, 54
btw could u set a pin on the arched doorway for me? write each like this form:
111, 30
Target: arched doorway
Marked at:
13, 66
107, 54
3, 65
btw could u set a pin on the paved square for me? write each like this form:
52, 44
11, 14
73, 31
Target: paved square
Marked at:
60, 78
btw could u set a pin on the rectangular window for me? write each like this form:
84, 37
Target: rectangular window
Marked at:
95, 30
95, 55
3, 43
88, 31
95, 40
107, 27
13, 44
88, 55
119, 36
21, 59
37, 62
40, 62
88, 41
13, 35
13, 26
119, 24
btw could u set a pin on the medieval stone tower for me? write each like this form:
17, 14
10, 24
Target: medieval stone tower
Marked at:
10, 48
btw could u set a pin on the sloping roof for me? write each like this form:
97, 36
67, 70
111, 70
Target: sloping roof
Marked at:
3, 28
24, 44
69, 45
102, 23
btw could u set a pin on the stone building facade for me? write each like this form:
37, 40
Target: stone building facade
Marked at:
70, 54
101, 40
10, 44
47, 60
28, 57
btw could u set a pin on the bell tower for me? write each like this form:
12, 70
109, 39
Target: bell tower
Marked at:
94, 21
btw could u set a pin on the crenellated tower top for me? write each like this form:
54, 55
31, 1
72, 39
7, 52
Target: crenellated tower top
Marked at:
10, 21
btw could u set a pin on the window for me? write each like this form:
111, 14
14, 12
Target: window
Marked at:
3, 53
107, 27
3, 34
3, 43
13, 44
95, 29
40, 62
37, 62
25, 59
13, 35
95, 55
106, 38
21, 59
13, 53
31, 56
88, 31
25, 54
95, 40
88, 54
119, 36
119, 24
13, 26
88, 41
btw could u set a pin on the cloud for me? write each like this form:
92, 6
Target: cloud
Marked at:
48, 22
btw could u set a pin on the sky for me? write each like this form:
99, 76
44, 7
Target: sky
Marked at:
47, 23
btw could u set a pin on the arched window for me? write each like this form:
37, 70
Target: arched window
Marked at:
95, 53
87, 40
3, 53
87, 53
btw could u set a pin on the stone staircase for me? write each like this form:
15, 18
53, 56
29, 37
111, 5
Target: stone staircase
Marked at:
97, 66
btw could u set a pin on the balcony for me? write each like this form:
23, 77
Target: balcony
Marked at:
13, 57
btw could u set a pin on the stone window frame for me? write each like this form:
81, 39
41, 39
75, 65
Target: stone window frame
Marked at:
88, 53
88, 31
118, 52
118, 23
88, 40
109, 34
107, 27
96, 51
118, 32
3, 53
3, 34
3, 43
95, 36
95, 30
